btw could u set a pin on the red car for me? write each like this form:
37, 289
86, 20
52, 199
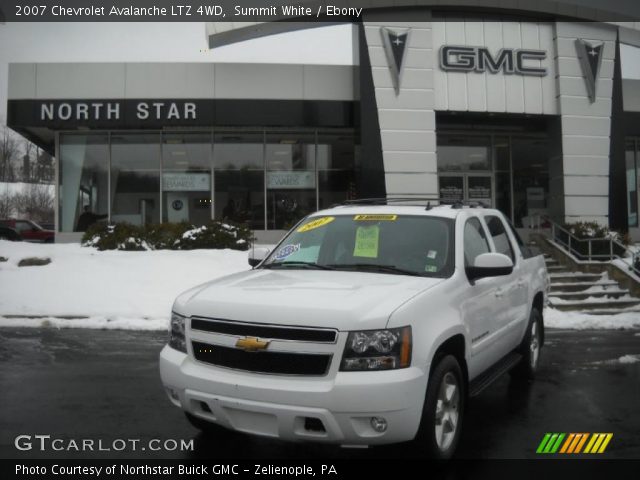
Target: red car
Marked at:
30, 231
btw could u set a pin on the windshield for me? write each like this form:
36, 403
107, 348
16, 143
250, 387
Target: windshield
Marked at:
380, 243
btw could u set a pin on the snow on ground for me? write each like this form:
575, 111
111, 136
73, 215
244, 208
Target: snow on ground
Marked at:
583, 321
135, 290
115, 289
625, 359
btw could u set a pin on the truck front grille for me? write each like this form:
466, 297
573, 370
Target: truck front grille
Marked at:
277, 363
275, 332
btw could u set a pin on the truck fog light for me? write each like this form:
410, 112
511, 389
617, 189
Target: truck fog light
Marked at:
379, 424
173, 394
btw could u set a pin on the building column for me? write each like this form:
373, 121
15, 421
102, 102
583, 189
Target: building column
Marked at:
586, 125
407, 120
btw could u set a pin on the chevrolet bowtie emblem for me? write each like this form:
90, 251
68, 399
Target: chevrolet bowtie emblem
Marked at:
252, 344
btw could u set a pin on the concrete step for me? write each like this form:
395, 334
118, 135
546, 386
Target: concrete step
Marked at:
613, 311
579, 286
557, 269
617, 305
551, 261
610, 293
564, 277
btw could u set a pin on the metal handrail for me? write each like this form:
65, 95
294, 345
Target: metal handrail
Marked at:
614, 247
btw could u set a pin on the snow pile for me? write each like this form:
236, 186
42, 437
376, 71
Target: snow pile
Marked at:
114, 289
583, 321
624, 360
629, 359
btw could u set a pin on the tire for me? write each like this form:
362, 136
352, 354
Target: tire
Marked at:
439, 433
207, 428
530, 349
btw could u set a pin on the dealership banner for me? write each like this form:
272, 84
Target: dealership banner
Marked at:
61, 114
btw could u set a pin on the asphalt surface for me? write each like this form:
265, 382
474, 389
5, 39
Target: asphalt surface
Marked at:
85, 384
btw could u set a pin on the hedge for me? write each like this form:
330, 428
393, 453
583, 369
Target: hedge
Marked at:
167, 236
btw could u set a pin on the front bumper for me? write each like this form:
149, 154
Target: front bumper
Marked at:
279, 406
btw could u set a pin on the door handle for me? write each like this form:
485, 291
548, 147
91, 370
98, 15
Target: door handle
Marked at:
499, 292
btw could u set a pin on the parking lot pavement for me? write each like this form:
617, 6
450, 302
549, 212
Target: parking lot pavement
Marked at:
104, 385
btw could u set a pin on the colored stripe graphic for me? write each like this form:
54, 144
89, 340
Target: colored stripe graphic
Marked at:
582, 441
543, 442
573, 443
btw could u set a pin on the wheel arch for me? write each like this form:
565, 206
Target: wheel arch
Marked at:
454, 345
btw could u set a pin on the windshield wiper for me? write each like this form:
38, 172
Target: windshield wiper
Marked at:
297, 264
375, 267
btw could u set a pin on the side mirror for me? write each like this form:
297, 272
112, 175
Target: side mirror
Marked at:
490, 265
257, 255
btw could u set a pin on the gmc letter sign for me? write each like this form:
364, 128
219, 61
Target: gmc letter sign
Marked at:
480, 59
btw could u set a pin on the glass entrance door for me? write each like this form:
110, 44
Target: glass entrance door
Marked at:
473, 187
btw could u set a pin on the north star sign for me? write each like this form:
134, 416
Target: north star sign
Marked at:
519, 61
52, 111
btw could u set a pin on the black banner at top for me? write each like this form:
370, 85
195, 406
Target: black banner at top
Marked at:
299, 10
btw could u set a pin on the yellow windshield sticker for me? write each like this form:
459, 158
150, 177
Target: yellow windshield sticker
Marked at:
367, 242
320, 222
375, 218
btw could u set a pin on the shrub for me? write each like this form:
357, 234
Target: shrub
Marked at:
121, 236
167, 236
163, 236
600, 247
215, 235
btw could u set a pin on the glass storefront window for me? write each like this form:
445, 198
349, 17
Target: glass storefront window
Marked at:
631, 164
530, 180
83, 188
135, 178
502, 153
291, 178
239, 178
336, 160
186, 178
265, 179
458, 153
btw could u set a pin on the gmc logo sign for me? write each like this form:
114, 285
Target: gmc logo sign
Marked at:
480, 59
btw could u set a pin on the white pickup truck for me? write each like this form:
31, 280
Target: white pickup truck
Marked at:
367, 324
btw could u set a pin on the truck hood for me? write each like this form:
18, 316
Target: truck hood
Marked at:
312, 298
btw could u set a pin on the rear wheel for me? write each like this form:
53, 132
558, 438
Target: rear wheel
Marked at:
530, 348
443, 410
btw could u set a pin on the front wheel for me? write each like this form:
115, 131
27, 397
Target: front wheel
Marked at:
443, 410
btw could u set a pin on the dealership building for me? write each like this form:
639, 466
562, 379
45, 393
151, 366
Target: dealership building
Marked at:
534, 113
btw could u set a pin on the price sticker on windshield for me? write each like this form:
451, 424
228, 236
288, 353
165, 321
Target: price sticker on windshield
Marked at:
367, 240
375, 218
320, 222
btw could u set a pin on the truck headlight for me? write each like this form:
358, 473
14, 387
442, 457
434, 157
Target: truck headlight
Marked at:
377, 350
177, 339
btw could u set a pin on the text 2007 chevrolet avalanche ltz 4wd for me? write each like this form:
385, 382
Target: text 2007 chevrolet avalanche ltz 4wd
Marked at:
367, 325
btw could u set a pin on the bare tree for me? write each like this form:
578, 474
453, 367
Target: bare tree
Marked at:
7, 202
8, 152
36, 203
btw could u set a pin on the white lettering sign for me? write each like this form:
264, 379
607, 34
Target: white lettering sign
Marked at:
290, 180
186, 182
